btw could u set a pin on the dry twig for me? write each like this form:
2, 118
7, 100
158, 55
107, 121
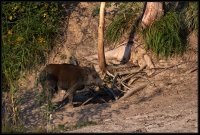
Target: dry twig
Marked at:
125, 86
87, 101
166, 68
131, 74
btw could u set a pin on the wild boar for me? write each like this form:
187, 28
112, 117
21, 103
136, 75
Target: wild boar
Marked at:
67, 77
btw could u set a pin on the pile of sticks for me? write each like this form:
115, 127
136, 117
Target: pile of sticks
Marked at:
125, 81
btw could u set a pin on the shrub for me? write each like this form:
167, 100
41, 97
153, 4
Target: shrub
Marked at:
163, 37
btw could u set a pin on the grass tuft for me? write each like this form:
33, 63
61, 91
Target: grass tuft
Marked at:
123, 20
163, 37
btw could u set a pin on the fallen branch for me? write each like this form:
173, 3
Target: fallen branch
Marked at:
191, 70
118, 66
166, 68
103, 100
108, 73
119, 88
125, 86
91, 99
132, 91
87, 101
114, 80
95, 95
127, 72
131, 74
132, 80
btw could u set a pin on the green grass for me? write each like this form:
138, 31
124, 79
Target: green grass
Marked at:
123, 21
163, 37
28, 31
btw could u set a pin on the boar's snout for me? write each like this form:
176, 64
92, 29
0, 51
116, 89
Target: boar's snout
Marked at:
95, 79
98, 81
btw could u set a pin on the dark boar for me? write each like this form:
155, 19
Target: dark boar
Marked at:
67, 77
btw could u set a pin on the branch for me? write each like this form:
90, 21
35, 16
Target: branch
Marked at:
166, 68
131, 74
132, 91
87, 101
125, 86
108, 73
127, 72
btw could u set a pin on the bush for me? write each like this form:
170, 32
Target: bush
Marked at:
163, 37
28, 30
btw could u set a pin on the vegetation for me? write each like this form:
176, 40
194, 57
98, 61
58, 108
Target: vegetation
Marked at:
163, 37
166, 37
123, 20
28, 30
10, 116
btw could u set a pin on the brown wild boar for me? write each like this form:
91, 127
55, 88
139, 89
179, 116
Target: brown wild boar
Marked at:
67, 77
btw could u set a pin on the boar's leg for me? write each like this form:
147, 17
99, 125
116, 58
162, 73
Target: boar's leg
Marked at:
50, 87
71, 91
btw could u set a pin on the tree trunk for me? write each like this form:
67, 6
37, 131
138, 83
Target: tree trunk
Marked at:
101, 55
153, 11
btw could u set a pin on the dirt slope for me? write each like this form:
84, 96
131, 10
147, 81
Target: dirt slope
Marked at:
168, 106
172, 108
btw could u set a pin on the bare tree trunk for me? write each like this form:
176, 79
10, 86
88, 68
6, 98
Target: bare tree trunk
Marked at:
101, 55
153, 11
